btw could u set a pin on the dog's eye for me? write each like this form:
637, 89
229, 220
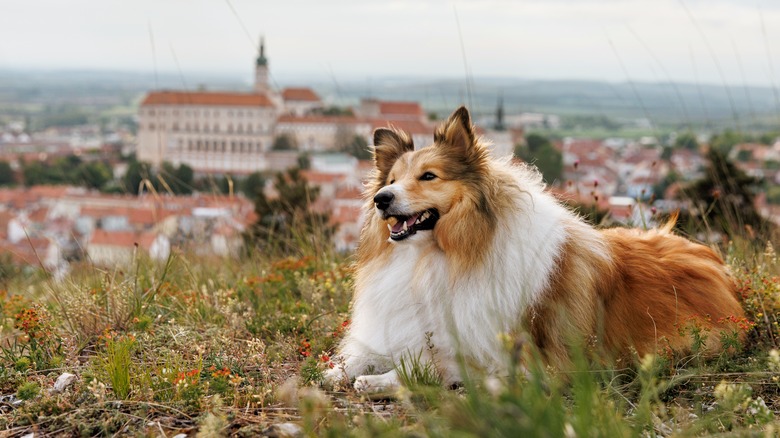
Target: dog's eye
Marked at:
427, 176
392, 181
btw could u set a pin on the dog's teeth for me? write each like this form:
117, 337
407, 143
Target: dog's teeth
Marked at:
389, 228
405, 226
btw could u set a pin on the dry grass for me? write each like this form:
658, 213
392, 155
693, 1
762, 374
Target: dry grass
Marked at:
212, 346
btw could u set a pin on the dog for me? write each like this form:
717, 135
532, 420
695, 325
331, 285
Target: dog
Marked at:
460, 250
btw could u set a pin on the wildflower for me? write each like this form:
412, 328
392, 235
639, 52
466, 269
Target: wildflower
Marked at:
774, 360
647, 363
305, 348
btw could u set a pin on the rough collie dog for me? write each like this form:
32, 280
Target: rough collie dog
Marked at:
459, 249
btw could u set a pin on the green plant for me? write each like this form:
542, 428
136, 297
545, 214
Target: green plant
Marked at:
28, 390
117, 363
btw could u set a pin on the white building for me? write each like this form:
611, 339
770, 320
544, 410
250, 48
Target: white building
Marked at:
218, 132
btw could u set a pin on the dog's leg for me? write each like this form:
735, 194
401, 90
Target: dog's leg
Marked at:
388, 381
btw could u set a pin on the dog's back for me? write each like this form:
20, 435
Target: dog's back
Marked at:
665, 286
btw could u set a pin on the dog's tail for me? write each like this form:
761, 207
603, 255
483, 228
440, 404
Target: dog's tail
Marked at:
669, 225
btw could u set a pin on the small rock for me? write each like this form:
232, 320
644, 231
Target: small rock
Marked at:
181, 435
284, 430
63, 381
29, 435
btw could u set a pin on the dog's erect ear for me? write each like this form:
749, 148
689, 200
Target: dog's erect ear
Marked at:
390, 144
457, 132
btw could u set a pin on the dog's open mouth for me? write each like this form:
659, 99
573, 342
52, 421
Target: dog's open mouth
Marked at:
402, 227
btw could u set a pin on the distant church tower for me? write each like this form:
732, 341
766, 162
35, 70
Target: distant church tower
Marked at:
499, 126
261, 70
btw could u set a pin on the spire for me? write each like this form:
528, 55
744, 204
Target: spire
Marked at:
261, 59
499, 126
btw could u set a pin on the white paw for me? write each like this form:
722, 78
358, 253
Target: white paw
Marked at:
333, 376
382, 382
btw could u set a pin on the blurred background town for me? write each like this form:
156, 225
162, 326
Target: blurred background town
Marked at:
101, 161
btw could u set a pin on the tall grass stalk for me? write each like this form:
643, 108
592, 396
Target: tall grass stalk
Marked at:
117, 363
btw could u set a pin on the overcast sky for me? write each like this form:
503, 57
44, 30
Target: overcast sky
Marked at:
707, 41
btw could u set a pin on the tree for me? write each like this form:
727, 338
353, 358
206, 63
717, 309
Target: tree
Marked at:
252, 185
178, 179
137, 171
539, 151
687, 140
724, 141
284, 142
287, 223
724, 199
93, 175
358, 148
6, 174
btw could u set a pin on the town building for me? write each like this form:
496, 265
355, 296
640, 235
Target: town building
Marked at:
235, 132
218, 132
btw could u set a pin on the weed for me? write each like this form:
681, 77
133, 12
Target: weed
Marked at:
117, 363
28, 390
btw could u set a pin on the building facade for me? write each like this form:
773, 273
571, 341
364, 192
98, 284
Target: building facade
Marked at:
218, 132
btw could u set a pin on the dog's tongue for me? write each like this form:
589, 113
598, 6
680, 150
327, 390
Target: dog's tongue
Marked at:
400, 224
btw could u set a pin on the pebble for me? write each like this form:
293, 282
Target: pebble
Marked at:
284, 430
63, 381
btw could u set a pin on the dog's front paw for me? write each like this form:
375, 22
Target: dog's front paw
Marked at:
334, 377
381, 383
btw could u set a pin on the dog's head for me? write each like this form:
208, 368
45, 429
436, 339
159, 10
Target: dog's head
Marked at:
436, 192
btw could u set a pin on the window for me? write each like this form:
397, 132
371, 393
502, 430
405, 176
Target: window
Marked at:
240, 129
216, 127
151, 126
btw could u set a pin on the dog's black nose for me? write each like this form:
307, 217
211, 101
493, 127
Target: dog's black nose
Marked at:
383, 200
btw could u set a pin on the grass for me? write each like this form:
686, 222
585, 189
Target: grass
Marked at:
232, 347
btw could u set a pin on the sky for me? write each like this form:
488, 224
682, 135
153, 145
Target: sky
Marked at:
703, 41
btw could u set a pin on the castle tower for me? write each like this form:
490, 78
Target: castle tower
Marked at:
261, 70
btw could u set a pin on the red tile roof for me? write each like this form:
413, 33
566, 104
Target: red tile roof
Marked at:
410, 126
348, 192
345, 214
314, 177
124, 239
387, 108
300, 94
206, 98
317, 119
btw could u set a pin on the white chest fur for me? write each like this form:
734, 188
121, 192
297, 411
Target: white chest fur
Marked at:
412, 292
